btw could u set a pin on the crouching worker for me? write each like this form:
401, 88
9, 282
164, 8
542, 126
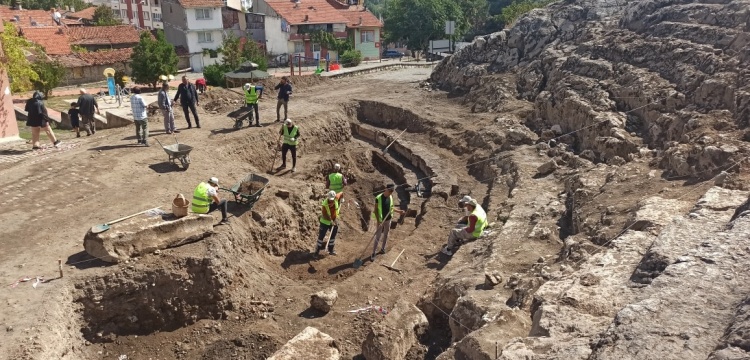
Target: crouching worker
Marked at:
330, 208
206, 199
477, 221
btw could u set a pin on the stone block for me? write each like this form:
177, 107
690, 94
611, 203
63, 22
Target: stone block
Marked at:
311, 343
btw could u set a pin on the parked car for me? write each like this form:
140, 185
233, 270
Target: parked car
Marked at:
392, 54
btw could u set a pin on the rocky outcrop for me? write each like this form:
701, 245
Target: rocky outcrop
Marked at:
308, 344
140, 236
620, 75
392, 338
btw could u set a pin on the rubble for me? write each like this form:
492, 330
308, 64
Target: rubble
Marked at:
310, 343
392, 338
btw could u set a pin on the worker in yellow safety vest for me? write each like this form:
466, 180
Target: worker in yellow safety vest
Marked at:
252, 94
476, 221
383, 214
336, 181
206, 199
291, 134
330, 210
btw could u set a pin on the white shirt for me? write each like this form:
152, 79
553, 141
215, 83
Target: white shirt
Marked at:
56, 16
211, 192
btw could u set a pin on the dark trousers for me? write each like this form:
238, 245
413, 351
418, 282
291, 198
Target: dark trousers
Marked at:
221, 205
284, 149
279, 104
249, 115
192, 108
322, 236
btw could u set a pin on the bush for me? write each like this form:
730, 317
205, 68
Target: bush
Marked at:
512, 12
351, 58
214, 74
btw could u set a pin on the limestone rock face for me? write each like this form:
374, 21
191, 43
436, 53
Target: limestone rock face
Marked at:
308, 344
142, 235
392, 338
617, 76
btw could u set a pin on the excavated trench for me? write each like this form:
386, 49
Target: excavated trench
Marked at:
144, 299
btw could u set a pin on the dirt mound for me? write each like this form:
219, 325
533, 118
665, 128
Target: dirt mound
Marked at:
251, 187
248, 347
220, 100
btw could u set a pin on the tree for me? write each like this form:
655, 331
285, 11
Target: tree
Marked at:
14, 60
330, 42
476, 12
153, 58
51, 74
418, 21
234, 53
103, 16
512, 12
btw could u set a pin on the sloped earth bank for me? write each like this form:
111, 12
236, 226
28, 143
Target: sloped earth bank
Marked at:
244, 292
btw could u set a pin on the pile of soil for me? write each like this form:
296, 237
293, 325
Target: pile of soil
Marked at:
251, 187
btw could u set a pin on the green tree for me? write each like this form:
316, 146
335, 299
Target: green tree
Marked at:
153, 58
330, 42
234, 53
103, 16
418, 21
512, 12
476, 12
14, 60
51, 74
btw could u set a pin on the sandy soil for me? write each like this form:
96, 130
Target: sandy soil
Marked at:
212, 292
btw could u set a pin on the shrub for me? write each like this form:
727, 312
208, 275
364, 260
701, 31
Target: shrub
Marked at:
351, 58
214, 74
512, 12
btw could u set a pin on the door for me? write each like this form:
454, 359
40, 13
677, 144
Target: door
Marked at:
316, 51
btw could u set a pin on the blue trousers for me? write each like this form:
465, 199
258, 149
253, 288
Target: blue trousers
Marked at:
322, 236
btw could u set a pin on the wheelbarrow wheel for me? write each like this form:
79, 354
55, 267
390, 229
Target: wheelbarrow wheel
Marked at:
237, 124
185, 161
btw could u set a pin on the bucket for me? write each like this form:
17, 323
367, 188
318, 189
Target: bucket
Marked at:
180, 206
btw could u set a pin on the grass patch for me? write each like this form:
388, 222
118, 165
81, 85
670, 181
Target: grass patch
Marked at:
60, 103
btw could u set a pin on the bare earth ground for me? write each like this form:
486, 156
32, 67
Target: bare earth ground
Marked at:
205, 297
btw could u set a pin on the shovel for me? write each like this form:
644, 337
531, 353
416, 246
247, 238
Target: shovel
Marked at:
358, 261
394, 140
96, 229
394, 263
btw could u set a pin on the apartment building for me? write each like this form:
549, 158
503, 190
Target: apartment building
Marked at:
197, 26
143, 14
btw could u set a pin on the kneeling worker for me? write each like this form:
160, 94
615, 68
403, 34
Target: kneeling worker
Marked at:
206, 199
477, 221
329, 220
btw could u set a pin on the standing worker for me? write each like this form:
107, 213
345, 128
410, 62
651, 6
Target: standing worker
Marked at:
186, 90
383, 213
336, 181
329, 221
86, 106
167, 109
290, 133
285, 91
253, 93
206, 199
476, 222
140, 116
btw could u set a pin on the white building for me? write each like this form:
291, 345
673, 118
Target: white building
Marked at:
144, 14
197, 26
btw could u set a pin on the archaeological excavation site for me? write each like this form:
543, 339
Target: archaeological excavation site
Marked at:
607, 143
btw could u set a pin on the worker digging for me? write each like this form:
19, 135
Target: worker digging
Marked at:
383, 214
329, 220
336, 181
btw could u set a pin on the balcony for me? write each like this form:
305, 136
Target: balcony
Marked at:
337, 34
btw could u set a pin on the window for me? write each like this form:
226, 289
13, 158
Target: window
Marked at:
367, 36
77, 72
204, 37
299, 47
145, 15
145, 2
315, 47
156, 2
202, 14
156, 16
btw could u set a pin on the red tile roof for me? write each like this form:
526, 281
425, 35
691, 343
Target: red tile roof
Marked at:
189, 4
359, 17
70, 61
308, 12
104, 35
41, 17
87, 14
106, 57
51, 38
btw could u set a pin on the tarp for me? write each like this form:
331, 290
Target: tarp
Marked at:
254, 74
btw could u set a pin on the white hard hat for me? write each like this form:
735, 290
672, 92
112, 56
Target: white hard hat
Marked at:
473, 202
337, 166
466, 199
246, 86
331, 195
288, 121
214, 181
